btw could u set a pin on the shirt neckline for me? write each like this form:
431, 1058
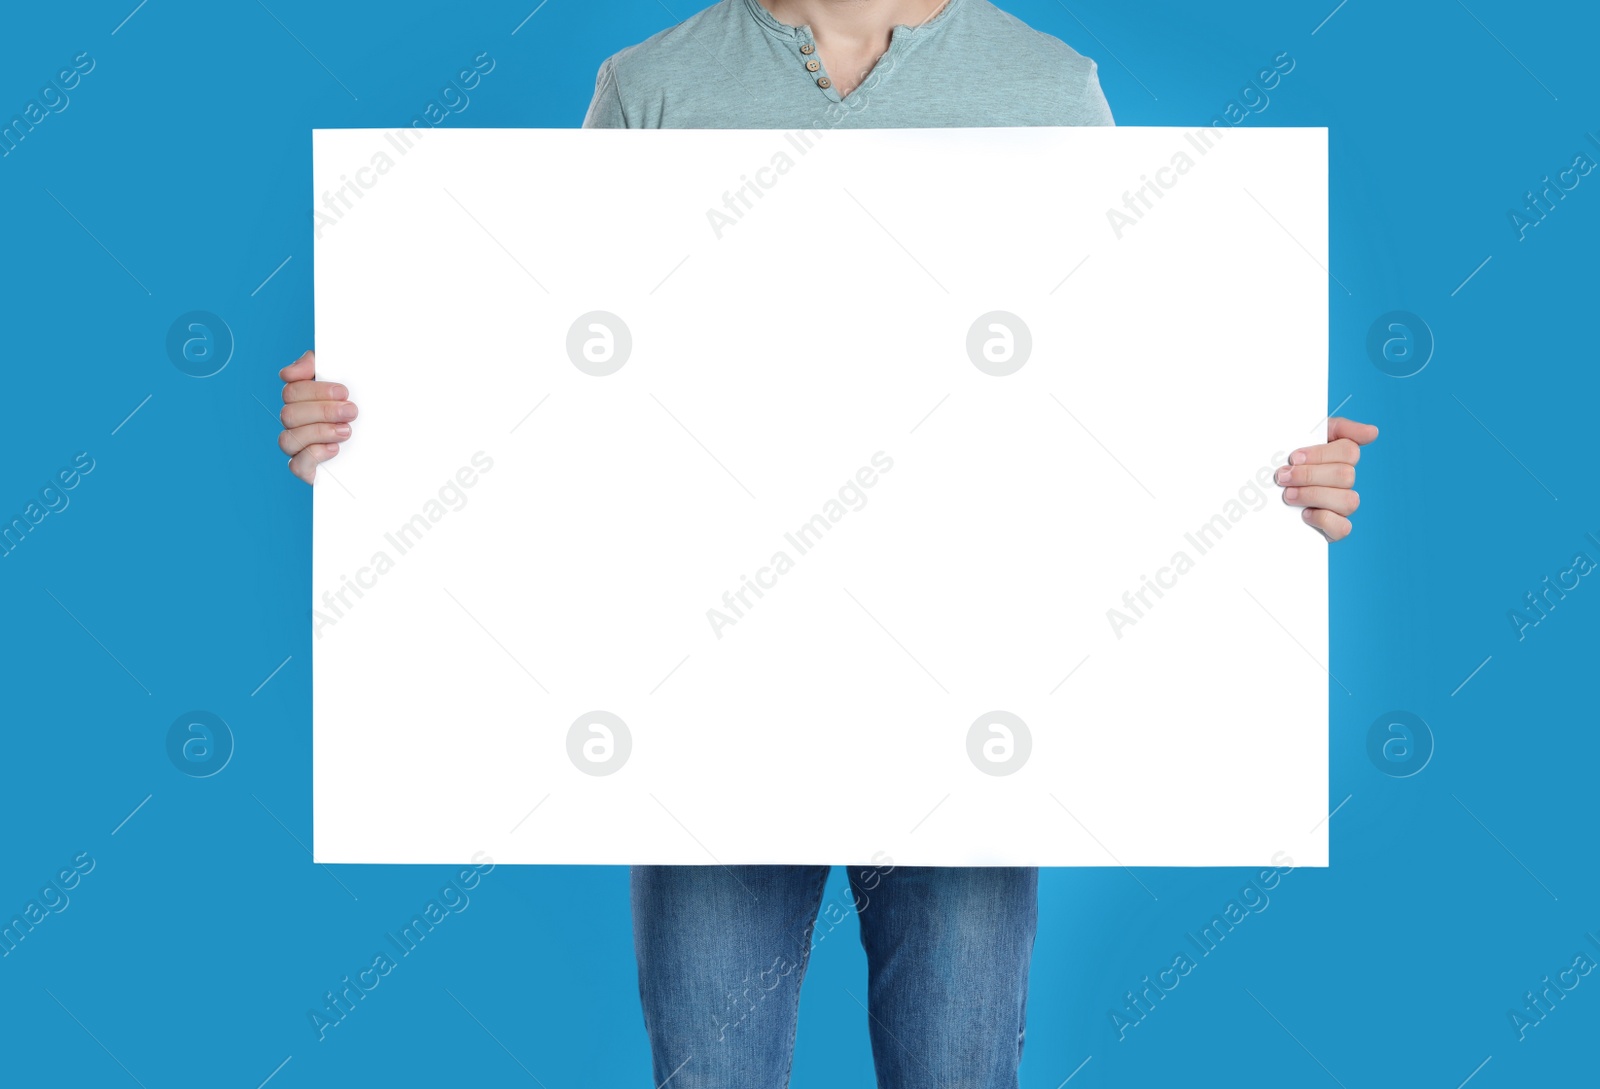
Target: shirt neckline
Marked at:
759, 12
902, 37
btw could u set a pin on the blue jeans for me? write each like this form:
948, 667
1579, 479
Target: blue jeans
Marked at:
722, 951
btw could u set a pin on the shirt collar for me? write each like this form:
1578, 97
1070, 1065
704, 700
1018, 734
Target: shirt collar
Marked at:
759, 12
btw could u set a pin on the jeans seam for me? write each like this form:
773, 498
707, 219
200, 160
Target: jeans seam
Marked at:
805, 962
1027, 972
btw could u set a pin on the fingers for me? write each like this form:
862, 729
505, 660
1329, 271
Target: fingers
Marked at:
1341, 428
1333, 475
293, 441
304, 464
1330, 525
1321, 478
301, 369
307, 390
1338, 500
1344, 451
316, 417
299, 413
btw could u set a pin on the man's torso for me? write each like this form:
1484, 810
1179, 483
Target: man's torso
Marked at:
735, 66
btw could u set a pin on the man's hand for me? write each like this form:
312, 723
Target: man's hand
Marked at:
316, 417
1322, 479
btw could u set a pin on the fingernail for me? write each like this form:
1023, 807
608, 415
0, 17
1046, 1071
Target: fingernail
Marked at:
1297, 458
1283, 476
340, 393
1291, 493
1305, 515
347, 411
342, 430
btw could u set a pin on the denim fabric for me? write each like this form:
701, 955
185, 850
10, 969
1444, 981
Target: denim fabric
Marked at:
722, 952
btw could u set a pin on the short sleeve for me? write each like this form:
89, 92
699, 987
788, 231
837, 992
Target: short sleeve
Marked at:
605, 111
1096, 110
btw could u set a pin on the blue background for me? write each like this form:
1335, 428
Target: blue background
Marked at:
178, 577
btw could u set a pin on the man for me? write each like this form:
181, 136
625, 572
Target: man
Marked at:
722, 950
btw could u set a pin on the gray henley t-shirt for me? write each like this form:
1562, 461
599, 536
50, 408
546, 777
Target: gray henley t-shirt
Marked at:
735, 66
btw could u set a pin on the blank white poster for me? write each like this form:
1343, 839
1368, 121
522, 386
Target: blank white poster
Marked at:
729, 497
